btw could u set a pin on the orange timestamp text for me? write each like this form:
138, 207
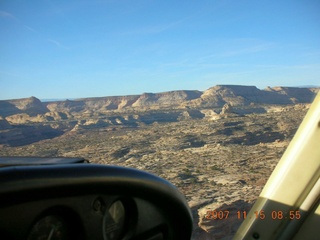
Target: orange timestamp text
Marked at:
275, 215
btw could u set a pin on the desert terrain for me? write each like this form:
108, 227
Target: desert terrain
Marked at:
218, 147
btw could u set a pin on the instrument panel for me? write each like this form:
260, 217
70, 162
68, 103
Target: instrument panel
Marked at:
88, 201
82, 217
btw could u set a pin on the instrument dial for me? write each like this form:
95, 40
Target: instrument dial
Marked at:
114, 221
51, 227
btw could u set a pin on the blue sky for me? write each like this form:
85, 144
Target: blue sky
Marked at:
75, 48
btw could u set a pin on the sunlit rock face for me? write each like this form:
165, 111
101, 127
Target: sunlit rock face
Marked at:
30, 118
215, 97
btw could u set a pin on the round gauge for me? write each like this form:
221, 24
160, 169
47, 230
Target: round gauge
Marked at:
114, 221
51, 227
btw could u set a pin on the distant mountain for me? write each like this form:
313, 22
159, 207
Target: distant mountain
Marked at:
214, 97
27, 120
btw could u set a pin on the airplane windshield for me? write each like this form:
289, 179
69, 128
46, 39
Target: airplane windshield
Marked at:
205, 95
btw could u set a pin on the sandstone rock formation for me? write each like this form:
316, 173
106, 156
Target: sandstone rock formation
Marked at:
31, 106
215, 97
226, 109
147, 108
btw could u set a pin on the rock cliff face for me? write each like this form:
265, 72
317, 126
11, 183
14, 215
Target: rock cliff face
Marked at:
246, 95
215, 97
43, 119
31, 106
166, 99
295, 95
